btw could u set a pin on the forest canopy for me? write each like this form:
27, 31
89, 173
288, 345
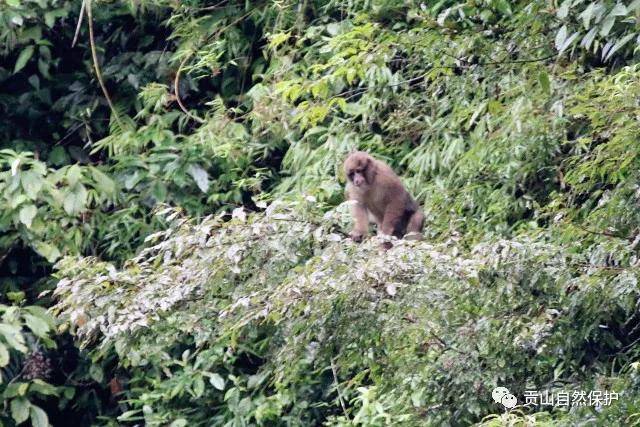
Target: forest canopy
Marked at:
173, 232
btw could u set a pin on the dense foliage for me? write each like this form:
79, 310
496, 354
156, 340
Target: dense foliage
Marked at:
513, 122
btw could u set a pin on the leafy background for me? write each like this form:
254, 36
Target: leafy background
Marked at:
172, 243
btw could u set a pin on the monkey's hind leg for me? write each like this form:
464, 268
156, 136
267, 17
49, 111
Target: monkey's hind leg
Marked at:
415, 225
391, 226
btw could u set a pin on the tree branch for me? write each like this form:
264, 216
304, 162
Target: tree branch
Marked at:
96, 67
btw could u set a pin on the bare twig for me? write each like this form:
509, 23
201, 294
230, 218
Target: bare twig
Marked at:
176, 88
519, 61
213, 7
335, 380
69, 133
96, 66
602, 233
75, 36
6, 254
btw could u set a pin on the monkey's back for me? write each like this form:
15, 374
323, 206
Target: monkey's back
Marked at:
392, 194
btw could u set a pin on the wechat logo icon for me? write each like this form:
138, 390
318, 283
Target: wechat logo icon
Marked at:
503, 396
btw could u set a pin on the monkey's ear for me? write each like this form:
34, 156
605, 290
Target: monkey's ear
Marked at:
370, 171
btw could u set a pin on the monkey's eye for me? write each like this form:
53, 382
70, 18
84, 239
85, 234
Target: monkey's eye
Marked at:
350, 175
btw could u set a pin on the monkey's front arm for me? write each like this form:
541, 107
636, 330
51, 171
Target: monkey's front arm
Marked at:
361, 220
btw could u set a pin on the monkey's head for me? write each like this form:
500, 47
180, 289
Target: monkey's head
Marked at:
360, 169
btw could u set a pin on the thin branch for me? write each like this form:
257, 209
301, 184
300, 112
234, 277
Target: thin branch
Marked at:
176, 88
335, 380
69, 133
519, 61
213, 7
444, 344
602, 233
6, 253
629, 346
75, 36
96, 67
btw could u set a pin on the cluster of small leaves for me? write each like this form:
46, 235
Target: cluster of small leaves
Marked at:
31, 194
275, 316
605, 28
601, 175
24, 368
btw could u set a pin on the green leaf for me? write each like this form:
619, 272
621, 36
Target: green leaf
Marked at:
15, 389
69, 392
128, 415
200, 176
159, 191
588, 39
13, 337
58, 156
618, 10
619, 45
38, 326
543, 78
16, 297
38, 417
43, 388
503, 7
586, 15
561, 36
75, 200
567, 42
26, 215
217, 381
47, 250
23, 58
563, 10
4, 355
20, 409
607, 24
180, 422
96, 373
73, 175
15, 166
43, 67
31, 183
198, 387
103, 183
42, 313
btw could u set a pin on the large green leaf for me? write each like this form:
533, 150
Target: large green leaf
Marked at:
20, 409
75, 200
38, 326
4, 355
26, 214
38, 417
13, 336
23, 58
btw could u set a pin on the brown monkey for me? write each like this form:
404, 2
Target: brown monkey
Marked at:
379, 197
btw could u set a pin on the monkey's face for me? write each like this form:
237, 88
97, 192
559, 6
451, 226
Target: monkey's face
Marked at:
358, 169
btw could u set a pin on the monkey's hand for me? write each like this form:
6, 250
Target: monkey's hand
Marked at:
356, 236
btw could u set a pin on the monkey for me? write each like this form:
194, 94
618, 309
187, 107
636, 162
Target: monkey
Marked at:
378, 196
